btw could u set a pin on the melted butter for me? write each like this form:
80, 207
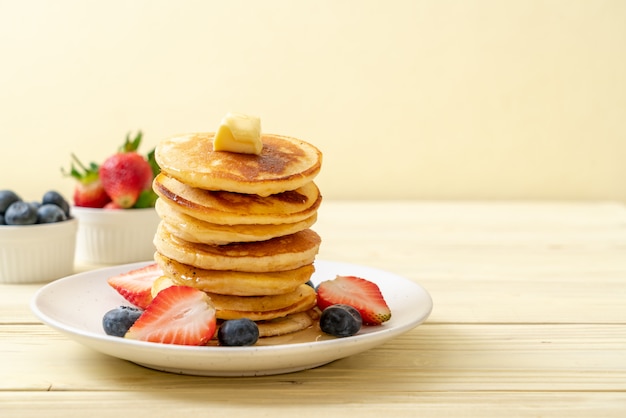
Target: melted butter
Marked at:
239, 133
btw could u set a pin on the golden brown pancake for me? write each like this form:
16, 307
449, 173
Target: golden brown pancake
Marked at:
284, 164
195, 230
306, 301
234, 282
277, 254
287, 324
227, 208
281, 326
227, 234
266, 303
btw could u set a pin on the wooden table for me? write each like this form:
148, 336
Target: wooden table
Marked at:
529, 319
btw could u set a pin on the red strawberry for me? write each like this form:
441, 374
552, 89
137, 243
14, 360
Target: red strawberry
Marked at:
136, 285
178, 315
112, 206
363, 295
124, 176
88, 191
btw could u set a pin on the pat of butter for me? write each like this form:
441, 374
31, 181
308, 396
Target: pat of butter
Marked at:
239, 133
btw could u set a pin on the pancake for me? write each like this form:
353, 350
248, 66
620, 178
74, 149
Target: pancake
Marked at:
267, 303
234, 282
227, 208
282, 253
195, 230
287, 324
284, 164
307, 301
202, 232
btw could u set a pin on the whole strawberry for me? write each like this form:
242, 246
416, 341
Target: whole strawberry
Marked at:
88, 191
126, 174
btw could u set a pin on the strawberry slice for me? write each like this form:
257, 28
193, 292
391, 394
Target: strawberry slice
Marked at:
136, 285
178, 315
362, 294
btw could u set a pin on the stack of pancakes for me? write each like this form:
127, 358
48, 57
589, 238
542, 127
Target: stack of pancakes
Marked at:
237, 226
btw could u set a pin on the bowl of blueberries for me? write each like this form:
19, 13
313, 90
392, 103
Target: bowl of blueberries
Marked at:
37, 238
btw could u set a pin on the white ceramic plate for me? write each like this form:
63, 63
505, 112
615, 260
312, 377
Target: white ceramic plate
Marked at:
75, 305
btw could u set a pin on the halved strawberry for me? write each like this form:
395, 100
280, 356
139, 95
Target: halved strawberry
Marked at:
136, 285
178, 315
362, 294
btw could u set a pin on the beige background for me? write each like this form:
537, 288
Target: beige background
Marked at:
407, 99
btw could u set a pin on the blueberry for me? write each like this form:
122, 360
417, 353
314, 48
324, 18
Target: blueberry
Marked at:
340, 320
56, 198
20, 213
310, 283
117, 321
7, 197
2, 219
50, 213
238, 332
36, 205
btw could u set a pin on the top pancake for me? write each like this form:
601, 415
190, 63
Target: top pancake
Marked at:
228, 208
284, 164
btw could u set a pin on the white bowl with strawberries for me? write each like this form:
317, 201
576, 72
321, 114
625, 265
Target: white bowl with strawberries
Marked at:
114, 206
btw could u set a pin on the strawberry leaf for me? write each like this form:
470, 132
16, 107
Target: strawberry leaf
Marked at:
153, 164
147, 199
81, 172
131, 145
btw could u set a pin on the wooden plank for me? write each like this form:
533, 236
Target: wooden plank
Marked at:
496, 262
15, 303
296, 400
429, 358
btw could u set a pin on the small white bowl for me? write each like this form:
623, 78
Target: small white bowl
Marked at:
37, 253
115, 236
